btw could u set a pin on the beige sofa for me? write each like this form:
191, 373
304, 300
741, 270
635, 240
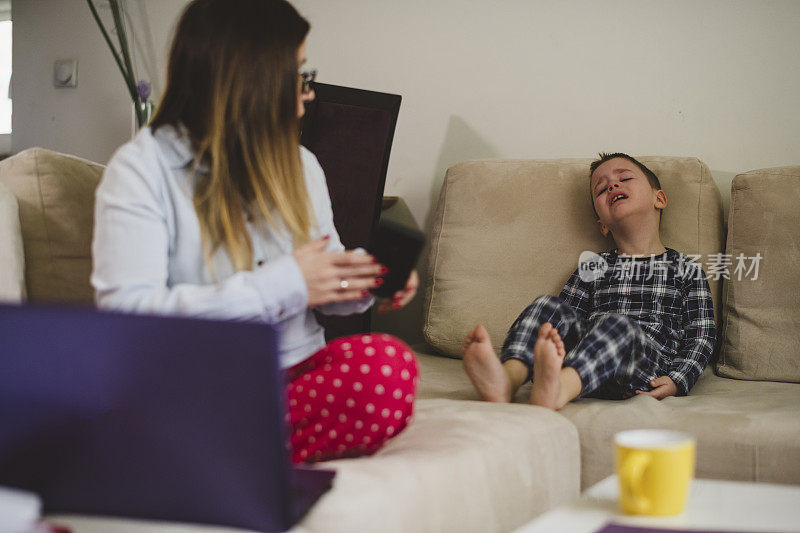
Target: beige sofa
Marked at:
446, 472
505, 232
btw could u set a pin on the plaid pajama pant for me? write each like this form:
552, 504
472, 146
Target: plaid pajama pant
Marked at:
611, 354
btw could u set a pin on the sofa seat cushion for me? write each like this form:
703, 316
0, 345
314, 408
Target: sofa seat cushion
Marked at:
507, 231
745, 430
444, 377
55, 193
762, 307
12, 258
460, 466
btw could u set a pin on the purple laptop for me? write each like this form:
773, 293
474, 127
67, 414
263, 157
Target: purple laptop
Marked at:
148, 417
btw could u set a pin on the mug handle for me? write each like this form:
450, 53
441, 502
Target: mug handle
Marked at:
631, 473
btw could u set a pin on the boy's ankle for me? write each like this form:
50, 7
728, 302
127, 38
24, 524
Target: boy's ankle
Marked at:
517, 372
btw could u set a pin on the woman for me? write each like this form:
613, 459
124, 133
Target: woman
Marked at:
215, 211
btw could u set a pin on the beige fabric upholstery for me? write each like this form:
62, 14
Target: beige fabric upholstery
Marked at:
507, 231
12, 264
746, 430
445, 472
55, 193
761, 317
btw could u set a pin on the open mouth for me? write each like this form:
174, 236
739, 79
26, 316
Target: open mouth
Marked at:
618, 197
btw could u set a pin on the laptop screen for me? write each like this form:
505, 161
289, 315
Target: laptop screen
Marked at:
140, 416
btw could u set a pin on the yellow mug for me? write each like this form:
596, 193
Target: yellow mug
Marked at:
655, 468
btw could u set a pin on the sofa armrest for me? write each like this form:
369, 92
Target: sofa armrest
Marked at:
12, 264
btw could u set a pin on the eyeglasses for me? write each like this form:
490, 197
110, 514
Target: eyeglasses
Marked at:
307, 77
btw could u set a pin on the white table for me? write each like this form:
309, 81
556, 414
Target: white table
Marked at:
713, 504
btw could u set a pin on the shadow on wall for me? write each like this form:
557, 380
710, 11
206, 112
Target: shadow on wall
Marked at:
461, 143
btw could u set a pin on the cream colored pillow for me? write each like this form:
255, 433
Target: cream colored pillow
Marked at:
507, 231
762, 315
55, 193
12, 256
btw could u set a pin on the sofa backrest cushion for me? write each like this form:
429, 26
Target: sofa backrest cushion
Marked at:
761, 313
12, 258
55, 193
506, 231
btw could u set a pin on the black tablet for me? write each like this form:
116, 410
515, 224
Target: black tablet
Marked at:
397, 247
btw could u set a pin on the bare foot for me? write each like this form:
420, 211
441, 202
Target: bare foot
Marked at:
556, 338
484, 368
548, 358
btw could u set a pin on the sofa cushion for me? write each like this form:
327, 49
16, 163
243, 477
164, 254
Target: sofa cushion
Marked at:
55, 193
12, 258
762, 310
507, 231
746, 430
461, 466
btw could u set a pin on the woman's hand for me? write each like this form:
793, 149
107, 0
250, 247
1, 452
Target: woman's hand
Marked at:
401, 298
336, 276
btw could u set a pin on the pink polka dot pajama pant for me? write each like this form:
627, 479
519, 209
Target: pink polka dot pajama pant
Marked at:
350, 397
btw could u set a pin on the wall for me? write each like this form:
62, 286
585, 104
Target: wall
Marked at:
93, 119
540, 79
716, 79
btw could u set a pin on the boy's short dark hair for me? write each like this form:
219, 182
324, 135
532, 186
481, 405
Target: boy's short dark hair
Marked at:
603, 157
651, 177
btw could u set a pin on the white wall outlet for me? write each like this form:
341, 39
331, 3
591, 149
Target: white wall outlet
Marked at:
65, 73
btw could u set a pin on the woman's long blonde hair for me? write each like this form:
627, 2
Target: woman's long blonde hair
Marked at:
232, 82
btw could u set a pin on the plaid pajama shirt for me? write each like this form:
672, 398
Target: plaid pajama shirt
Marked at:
643, 318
